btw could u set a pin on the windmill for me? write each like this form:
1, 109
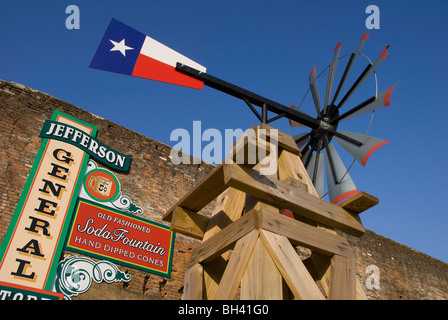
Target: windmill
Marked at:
315, 144
246, 218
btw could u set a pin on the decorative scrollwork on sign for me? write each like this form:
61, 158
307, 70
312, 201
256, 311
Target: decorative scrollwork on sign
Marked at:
75, 274
125, 203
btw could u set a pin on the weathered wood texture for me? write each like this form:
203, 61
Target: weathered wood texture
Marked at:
291, 267
261, 279
247, 242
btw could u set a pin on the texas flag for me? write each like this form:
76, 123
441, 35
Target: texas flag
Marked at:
128, 51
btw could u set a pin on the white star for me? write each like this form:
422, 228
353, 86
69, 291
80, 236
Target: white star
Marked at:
120, 46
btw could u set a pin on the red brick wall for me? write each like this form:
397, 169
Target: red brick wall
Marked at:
155, 184
404, 273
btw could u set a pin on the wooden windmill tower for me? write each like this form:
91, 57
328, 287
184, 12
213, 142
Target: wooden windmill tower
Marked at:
249, 246
248, 243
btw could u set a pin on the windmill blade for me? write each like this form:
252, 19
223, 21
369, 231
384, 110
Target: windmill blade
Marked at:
293, 123
340, 185
316, 173
372, 104
365, 74
349, 66
305, 155
363, 152
301, 139
315, 90
333, 64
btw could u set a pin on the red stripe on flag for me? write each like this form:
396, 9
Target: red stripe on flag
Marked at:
152, 69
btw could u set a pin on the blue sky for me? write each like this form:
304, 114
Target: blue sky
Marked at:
268, 47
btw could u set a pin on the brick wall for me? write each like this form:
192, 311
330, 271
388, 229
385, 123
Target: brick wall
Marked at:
155, 184
404, 273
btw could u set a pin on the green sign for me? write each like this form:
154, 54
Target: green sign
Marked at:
9, 291
30, 250
87, 143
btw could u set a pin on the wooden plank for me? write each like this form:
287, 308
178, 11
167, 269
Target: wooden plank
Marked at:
285, 141
290, 166
291, 267
298, 232
223, 241
228, 208
319, 266
282, 195
247, 149
213, 272
302, 234
360, 294
343, 278
261, 279
296, 184
193, 283
360, 202
236, 266
188, 222
202, 194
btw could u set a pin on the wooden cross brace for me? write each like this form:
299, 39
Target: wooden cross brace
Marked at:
247, 245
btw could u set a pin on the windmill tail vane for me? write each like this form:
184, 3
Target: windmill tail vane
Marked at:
128, 51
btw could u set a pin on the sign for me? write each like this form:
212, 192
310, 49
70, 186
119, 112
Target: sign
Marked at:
31, 248
87, 143
105, 233
102, 186
10, 291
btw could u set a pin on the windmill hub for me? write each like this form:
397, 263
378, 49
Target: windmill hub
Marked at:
325, 126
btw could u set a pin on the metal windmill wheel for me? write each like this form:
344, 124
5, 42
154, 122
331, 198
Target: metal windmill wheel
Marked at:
316, 146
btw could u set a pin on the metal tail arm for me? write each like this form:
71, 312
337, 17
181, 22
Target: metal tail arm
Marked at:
248, 96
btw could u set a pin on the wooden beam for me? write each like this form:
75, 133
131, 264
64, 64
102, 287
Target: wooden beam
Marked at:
261, 280
360, 294
228, 208
285, 141
247, 149
343, 278
282, 195
297, 232
302, 234
224, 240
360, 202
188, 222
193, 288
202, 194
236, 266
213, 272
292, 171
291, 267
